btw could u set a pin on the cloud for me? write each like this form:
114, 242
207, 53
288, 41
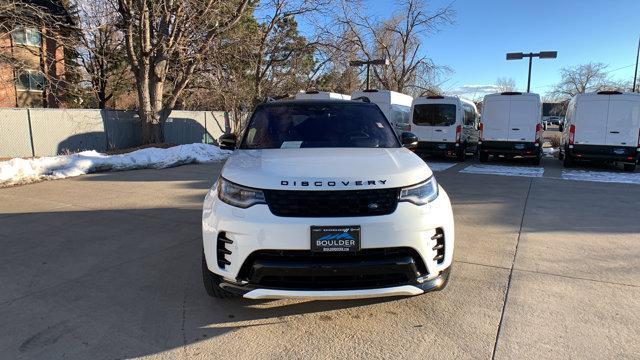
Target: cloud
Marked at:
475, 90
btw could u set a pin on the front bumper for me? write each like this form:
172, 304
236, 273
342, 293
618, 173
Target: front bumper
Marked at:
628, 154
510, 148
253, 292
254, 231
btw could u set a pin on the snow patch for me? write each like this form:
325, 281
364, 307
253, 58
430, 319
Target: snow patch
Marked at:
601, 176
440, 166
19, 170
504, 170
550, 151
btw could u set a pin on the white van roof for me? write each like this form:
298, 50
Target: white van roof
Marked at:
617, 94
321, 95
439, 99
507, 94
384, 97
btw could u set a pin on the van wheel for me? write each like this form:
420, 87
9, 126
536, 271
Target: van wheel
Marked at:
568, 161
536, 160
630, 167
484, 157
462, 153
212, 282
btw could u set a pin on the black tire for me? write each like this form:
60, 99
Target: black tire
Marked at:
629, 167
461, 156
484, 157
536, 160
567, 161
211, 283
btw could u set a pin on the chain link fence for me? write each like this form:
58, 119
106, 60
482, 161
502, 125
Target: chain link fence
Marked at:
48, 132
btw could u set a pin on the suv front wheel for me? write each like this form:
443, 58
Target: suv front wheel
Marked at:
212, 282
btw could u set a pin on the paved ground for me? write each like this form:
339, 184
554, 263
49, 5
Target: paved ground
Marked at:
108, 266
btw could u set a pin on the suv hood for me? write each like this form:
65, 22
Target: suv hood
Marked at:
325, 168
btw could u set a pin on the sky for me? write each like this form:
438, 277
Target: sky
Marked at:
474, 47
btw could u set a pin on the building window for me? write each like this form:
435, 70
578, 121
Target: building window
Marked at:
26, 36
31, 80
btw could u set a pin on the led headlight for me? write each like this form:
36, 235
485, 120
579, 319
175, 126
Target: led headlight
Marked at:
422, 193
239, 196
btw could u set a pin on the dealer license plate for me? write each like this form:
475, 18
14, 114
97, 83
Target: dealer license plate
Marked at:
344, 238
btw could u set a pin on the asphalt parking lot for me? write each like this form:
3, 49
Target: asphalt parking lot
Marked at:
108, 266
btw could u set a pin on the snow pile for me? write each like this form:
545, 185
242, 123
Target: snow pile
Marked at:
504, 170
601, 176
440, 166
18, 170
549, 151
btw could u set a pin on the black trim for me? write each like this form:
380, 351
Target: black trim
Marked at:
509, 148
436, 284
603, 153
436, 148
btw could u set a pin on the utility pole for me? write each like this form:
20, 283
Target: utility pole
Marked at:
635, 72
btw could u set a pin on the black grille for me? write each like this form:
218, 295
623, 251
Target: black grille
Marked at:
304, 269
339, 203
439, 246
221, 250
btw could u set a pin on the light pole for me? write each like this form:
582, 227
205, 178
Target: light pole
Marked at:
635, 72
369, 63
541, 55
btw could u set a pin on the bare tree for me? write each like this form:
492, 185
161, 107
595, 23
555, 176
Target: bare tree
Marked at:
504, 84
398, 39
166, 41
101, 50
581, 79
284, 59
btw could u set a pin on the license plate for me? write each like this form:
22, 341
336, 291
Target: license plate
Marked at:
519, 146
344, 238
619, 151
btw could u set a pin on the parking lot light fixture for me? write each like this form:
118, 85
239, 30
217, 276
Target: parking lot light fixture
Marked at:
541, 55
368, 63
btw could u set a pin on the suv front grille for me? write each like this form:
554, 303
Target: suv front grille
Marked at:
304, 269
339, 203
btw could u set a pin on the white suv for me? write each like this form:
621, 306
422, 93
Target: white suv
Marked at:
321, 200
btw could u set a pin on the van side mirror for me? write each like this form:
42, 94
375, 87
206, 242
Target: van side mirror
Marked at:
228, 141
409, 140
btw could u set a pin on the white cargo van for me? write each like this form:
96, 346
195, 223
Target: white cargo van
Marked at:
445, 125
394, 105
320, 95
511, 126
602, 126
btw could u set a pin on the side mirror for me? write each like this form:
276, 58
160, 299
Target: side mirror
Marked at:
228, 141
409, 140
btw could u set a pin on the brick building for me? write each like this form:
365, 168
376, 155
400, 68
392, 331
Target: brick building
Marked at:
34, 74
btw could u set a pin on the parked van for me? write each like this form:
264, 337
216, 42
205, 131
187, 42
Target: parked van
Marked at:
394, 105
602, 126
445, 125
320, 95
511, 126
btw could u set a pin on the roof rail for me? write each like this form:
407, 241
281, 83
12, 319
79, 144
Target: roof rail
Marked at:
370, 90
362, 98
511, 93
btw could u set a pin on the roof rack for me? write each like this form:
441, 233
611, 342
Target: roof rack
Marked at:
370, 90
511, 93
362, 98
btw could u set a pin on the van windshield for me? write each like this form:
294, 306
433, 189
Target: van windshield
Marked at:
319, 125
434, 114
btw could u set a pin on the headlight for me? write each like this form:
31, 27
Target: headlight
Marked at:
422, 193
239, 196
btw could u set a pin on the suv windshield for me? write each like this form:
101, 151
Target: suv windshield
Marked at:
318, 125
434, 114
